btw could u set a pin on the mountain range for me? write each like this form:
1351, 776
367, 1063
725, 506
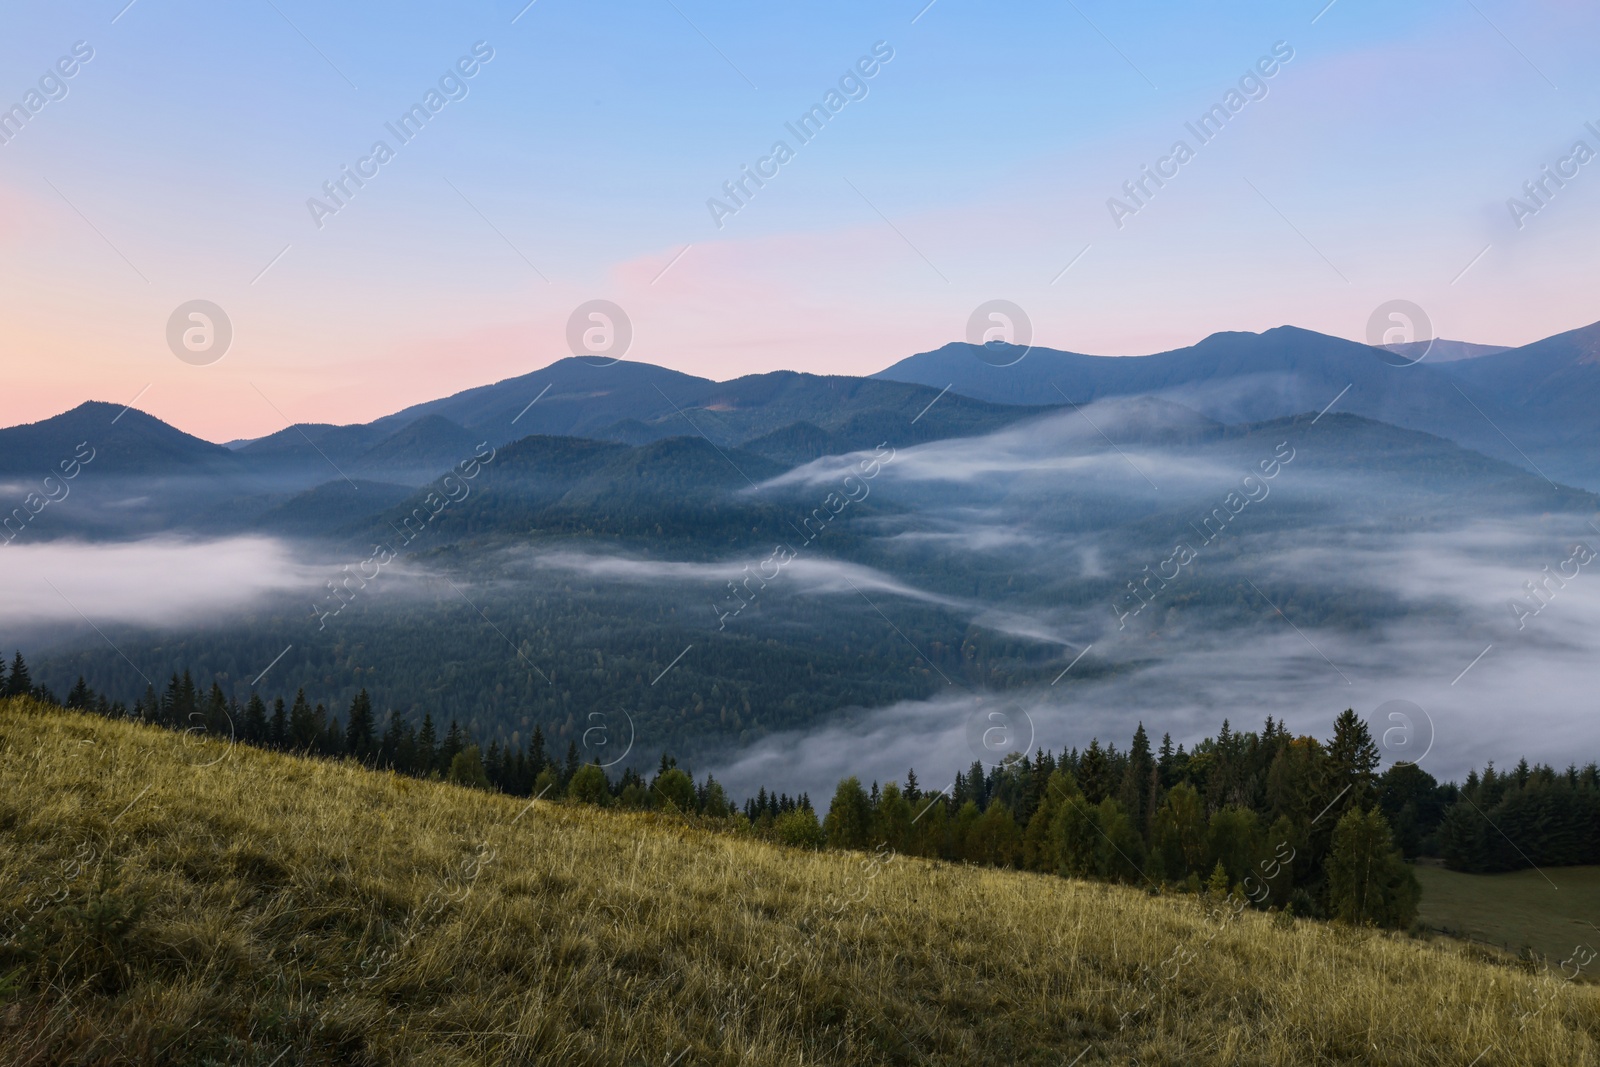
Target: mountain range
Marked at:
1530, 406
1533, 406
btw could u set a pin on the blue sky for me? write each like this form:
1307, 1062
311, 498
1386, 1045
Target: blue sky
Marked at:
578, 166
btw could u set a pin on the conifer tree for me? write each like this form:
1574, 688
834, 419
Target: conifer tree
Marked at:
389, 747
453, 743
303, 731
1094, 775
538, 758
573, 763
358, 727
1352, 761
218, 723
426, 756
255, 727
80, 697
279, 731
1134, 789
19, 683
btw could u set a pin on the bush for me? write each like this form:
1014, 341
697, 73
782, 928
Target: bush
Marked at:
466, 768
589, 786
799, 829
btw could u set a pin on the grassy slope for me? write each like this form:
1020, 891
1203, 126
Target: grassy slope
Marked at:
273, 886
1550, 912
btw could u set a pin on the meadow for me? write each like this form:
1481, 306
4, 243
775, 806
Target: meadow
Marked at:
1553, 911
168, 899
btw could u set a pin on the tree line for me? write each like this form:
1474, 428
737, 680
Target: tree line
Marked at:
1283, 821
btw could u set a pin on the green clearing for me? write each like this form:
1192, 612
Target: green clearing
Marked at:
1550, 912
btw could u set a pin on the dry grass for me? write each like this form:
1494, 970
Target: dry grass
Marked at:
306, 912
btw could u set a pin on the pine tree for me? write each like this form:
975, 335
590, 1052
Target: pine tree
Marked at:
218, 723
171, 700
389, 747
188, 704
1217, 885
573, 763
1094, 775
426, 756
19, 683
538, 758
977, 785
303, 732
255, 727
279, 731
1353, 761
80, 697
358, 728
1134, 789
454, 742
331, 742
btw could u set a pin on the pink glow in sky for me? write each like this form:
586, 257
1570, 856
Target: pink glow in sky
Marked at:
1378, 167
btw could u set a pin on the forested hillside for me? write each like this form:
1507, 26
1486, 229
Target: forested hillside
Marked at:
168, 899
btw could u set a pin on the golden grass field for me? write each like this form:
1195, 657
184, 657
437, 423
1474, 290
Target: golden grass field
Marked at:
193, 904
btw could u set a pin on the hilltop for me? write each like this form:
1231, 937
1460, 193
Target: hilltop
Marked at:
170, 900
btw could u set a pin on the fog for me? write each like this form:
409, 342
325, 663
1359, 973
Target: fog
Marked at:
1530, 694
163, 582
1385, 594
1347, 579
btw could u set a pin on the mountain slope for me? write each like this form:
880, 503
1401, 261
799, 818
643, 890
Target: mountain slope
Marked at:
1531, 406
121, 440
222, 905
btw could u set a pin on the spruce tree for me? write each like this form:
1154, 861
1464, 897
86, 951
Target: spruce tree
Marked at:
278, 735
218, 723
303, 732
255, 729
1094, 775
80, 697
453, 744
358, 730
19, 683
389, 747
1352, 761
1134, 790
573, 762
426, 756
538, 758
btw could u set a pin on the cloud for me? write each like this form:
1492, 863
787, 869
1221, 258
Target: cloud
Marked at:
160, 582
1369, 615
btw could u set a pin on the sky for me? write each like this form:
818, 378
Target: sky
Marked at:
179, 162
